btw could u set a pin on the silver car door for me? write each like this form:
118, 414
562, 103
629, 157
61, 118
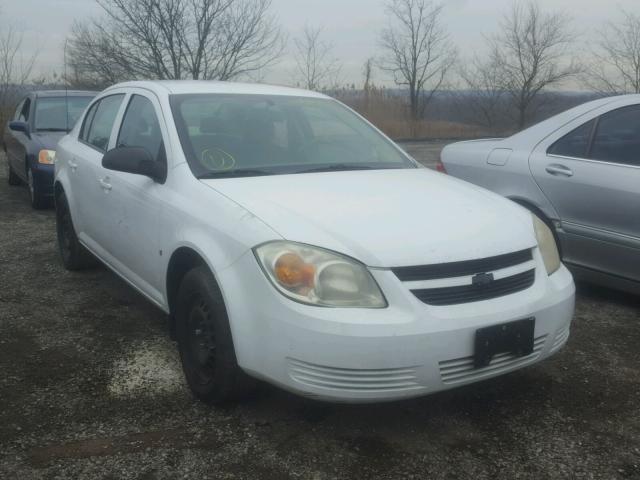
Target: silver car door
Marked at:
591, 175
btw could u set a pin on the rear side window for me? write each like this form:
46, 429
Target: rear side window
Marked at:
140, 127
86, 125
98, 124
574, 144
617, 137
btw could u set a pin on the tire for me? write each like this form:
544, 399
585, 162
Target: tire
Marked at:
74, 256
204, 340
12, 178
38, 201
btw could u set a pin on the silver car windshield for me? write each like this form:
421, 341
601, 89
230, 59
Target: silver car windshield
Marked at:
250, 135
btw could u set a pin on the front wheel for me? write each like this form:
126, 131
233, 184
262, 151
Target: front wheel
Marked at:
204, 340
38, 201
12, 178
74, 255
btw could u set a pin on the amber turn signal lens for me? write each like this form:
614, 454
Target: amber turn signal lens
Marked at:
292, 271
47, 157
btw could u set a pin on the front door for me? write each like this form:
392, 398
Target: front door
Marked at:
133, 203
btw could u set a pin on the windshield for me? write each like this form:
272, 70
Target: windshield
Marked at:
249, 135
59, 114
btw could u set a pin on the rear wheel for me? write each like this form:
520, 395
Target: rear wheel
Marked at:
204, 340
74, 255
38, 201
11, 175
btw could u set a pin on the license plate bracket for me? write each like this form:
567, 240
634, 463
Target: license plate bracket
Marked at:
513, 337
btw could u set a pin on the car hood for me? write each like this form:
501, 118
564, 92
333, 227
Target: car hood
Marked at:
48, 140
385, 218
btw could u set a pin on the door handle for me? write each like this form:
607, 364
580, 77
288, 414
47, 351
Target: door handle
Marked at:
559, 170
104, 183
73, 165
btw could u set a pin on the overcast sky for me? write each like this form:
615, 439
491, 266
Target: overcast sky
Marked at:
351, 25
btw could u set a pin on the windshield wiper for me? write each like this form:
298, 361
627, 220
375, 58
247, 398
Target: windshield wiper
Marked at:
338, 167
235, 173
52, 130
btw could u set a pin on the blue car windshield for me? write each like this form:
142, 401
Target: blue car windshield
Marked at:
59, 114
250, 135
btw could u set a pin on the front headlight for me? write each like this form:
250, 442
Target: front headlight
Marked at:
547, 245
318, 277
47, 157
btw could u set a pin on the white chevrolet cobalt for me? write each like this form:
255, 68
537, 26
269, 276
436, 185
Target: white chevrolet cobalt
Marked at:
290, 241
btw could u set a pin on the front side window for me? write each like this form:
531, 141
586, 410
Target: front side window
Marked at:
245, 135
24, 112
617, 137
16, 115
574, 144
140, 127
59, 114
101, 123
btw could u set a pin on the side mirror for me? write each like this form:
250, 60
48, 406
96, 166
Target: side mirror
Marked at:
19, 127
134, 160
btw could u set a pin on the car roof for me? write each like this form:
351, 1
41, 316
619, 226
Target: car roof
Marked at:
541, 130
177, 87
63, 93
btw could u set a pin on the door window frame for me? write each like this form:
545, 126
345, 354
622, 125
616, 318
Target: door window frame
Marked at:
157, 107
90, 118
594, 129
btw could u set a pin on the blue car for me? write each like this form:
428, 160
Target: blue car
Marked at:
41, 119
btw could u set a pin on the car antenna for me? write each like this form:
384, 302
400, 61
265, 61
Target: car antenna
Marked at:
66, 88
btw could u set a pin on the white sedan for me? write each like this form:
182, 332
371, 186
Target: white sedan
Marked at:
292, 242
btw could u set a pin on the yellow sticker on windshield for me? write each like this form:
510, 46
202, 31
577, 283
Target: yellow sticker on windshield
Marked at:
217, 159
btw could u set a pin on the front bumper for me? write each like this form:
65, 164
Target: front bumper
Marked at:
43, 178
364, 355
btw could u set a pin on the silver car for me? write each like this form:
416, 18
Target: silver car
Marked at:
580, 172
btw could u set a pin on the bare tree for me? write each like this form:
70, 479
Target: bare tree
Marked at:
15, 71
533, 48
616, 65
484, 92
175, 39
418, 51
316, 67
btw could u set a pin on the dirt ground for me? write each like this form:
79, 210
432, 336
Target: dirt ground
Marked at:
90, 387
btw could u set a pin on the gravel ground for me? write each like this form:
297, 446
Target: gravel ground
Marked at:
90, 387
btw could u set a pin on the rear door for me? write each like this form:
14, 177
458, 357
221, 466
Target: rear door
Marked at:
132, 205
85, 169
590, 171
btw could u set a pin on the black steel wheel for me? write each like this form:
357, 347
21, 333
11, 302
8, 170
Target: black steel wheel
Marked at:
204, 340
74, 255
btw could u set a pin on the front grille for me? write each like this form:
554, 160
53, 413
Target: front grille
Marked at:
354, 380
461, 370
440, 291
461, 269
475, 293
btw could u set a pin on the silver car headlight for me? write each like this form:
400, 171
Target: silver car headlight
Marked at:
316, 276
547, 245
